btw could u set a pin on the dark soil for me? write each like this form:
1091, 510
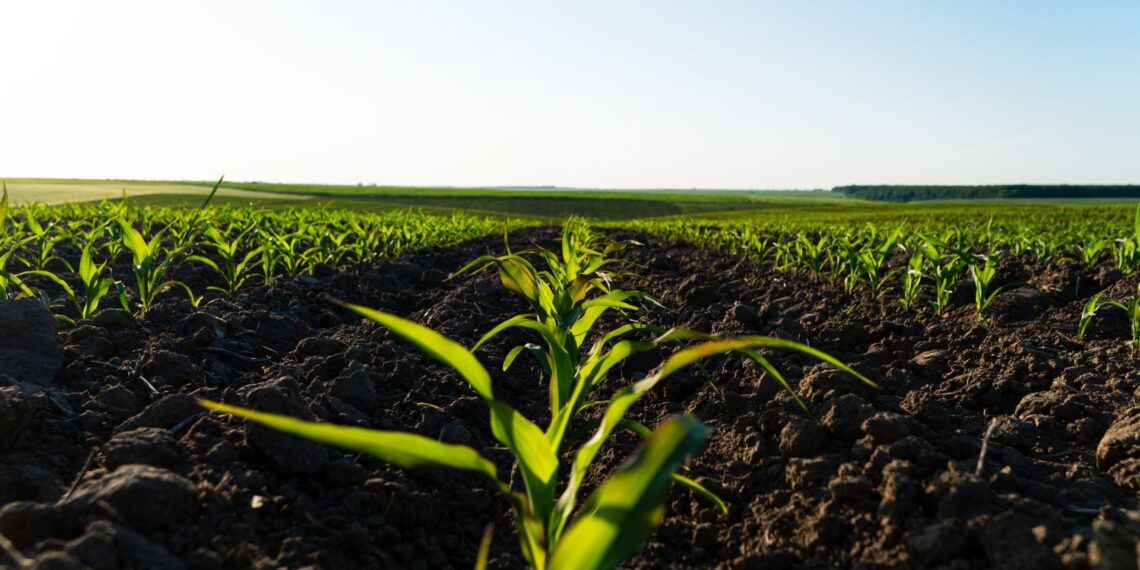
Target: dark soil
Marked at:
106, 462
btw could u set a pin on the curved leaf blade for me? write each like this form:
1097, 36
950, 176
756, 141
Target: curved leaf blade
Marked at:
435, 345
406, 450
626, 509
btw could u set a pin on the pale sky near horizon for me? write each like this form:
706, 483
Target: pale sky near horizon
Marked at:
615, 94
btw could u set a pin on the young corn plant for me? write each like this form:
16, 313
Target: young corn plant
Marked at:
1126, 252
1131, 309
560, 296
95, 285
10, 283
912, 283
568, 297
153, 262
945, 267
151, 265
1087, 315
43, 243
1093, 251
871, 263
983, 275
232, 265
554, 533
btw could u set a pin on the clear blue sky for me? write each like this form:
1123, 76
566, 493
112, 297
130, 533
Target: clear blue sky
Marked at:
709, 94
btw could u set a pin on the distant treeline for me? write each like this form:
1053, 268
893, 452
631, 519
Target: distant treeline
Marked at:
912, 193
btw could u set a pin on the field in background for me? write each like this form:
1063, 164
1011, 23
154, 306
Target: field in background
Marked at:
162, 305
548, 205
58, 191
543, 204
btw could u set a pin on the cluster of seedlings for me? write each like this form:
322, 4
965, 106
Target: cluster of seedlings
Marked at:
569, 293
74, 249
922, 262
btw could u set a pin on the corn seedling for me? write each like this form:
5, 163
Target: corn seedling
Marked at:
983, 275
871, 264
150, 267
912, 283
1131, 309
1087, 315
567, 297
232, 265
617, 517
944, 268
95, 285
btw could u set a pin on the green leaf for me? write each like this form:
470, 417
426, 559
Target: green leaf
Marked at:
511, 322
435, 345
561, 367
692, 485
687, 356
53, 277
134, 242
525, 440
624, 511
484, 548
702, 491
401, 449
204, 261
771, 370
590, 375
4, 208
536, 458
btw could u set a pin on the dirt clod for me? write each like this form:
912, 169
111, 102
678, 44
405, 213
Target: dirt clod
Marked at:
30, 351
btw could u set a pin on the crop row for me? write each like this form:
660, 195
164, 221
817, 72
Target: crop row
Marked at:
85, 252
921, 260
568, 292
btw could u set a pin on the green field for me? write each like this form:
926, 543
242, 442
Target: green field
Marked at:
58, 191
545, 204
550, 205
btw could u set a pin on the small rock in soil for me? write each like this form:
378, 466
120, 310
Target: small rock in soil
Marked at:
112, 319
30, 351
96, 548
931, 361
889, 427
166, 413
935, 543
356, 388
1121, 441
957, 494
176, 369
802, 438
287, 453
147, 446
1009, 543
144, 496
16, 410
27, 522
56, 560
842, 417
1116, 540
809, 473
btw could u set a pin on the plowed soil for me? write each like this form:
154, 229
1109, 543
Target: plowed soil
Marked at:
1002, 444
